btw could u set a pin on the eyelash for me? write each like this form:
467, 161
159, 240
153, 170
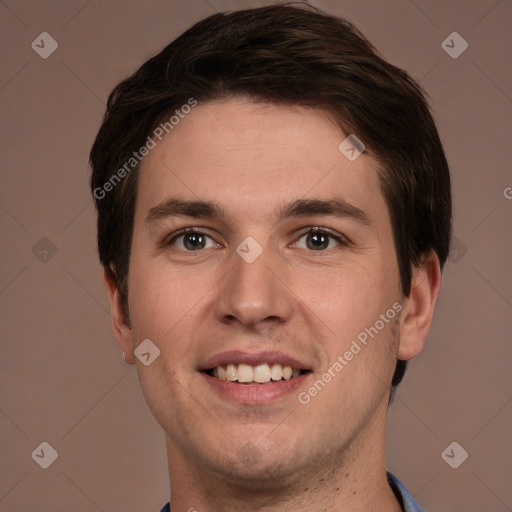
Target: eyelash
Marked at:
340, 239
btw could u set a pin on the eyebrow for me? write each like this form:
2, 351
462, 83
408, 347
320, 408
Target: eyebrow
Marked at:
173, 206
337, 207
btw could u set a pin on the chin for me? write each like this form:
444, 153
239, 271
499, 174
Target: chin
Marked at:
266, 473
251, 466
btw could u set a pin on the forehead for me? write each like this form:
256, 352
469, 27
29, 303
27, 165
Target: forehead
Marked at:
246, 155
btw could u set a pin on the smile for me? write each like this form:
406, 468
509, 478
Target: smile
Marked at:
264, 373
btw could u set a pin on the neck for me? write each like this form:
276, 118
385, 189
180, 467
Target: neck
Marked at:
349, 480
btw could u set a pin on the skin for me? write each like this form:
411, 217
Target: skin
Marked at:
251, 158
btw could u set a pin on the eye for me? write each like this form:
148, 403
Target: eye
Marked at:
318, 239
191, 239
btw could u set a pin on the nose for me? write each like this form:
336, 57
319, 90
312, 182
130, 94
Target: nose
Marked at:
254, 294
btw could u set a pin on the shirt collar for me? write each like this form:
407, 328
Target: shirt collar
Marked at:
408, 503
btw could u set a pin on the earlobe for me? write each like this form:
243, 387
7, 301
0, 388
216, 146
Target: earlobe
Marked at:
419, 306
120, 321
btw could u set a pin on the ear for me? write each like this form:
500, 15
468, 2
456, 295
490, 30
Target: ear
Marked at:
120, 322
419, 306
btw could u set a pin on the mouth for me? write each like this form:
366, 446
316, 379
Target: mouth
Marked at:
256, 378
260, 374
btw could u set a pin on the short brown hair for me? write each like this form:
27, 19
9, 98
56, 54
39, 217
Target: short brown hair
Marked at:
292, 55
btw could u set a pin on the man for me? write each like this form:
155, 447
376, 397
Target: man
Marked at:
274, 212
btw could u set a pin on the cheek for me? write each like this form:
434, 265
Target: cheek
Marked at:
156, 300
349, 297
350, 302
161, 311
149, 305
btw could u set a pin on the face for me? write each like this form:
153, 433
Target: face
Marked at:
260, 252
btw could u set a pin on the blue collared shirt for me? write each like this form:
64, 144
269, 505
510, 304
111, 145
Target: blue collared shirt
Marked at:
408, 503
406, 500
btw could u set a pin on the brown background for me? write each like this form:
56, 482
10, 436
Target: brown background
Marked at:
62, 379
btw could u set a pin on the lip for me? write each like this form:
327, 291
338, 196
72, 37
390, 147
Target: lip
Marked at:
253, 359
254, 394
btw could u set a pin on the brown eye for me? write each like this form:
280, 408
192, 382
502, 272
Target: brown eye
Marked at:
194, 241
191, 241
319, 240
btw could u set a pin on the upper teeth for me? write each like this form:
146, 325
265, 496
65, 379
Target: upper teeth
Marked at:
260, 373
